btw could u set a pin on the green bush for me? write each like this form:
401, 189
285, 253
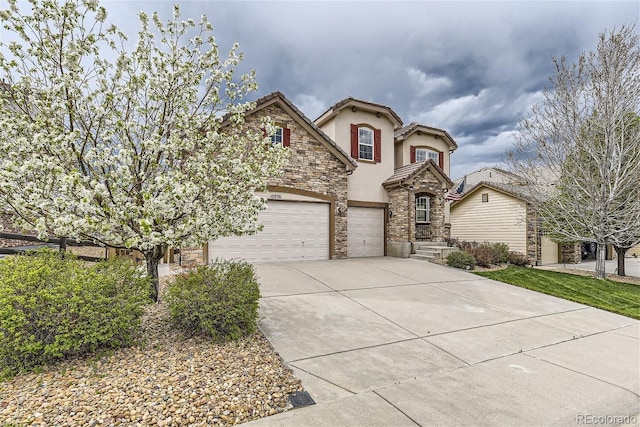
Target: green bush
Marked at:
218, 300
516, 258
461, 259
500, 252
51, 308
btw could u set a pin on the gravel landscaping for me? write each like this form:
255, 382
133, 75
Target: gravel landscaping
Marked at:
171, 380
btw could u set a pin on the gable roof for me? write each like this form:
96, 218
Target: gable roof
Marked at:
406, 174
293, 111
358, 104
516, 191
404, 132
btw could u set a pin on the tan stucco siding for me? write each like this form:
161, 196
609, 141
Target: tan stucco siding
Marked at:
365, 184
426, 141
500, 220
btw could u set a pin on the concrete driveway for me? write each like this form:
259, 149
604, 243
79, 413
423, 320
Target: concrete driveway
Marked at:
402, 342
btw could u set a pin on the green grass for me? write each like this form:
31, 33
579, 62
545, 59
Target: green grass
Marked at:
617, 297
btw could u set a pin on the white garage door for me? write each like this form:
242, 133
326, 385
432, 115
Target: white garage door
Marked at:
366, 232
292, 231
549, 251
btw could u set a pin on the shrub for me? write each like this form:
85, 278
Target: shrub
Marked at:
500, 252
219, 300
516, 258
484, 255
461, 259
53, 307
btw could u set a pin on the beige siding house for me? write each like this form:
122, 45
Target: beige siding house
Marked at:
491, 215
635, 251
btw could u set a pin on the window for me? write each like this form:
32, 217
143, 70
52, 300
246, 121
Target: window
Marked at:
365, 143
422, 154
485, 197
281, 137
276, 138
422, 209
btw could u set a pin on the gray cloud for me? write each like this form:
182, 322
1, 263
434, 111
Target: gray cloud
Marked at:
472, 68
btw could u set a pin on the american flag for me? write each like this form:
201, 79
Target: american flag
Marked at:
457, 195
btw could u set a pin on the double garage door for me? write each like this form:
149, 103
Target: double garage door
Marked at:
296, 231
291, 231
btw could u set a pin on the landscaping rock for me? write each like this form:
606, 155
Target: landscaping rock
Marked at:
169, 380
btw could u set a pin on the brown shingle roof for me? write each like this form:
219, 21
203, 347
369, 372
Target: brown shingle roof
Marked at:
362, 104
406, 173
414, 127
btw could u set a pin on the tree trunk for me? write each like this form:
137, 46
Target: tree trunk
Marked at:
152, 258
620, 251
601, 254
63, 246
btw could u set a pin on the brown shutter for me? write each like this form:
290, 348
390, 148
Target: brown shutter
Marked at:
377, 145
412, 151
441, 160
354, 141
286, 137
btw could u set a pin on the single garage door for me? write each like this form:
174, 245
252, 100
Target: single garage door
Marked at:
549, 251
365, 235
291, 231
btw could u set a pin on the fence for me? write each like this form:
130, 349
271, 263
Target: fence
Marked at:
55, 242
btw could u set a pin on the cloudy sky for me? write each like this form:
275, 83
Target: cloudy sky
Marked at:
472, 68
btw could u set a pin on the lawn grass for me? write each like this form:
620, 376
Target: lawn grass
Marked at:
617, 297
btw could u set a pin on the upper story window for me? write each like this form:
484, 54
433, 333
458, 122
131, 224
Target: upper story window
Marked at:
281, 137
366, 143
422, 154
276, 138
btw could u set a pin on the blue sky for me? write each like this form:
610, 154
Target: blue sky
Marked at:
472, 68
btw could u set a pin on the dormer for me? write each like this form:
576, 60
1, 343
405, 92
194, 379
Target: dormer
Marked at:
417, 143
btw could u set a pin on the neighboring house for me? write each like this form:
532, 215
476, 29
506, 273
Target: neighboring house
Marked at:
488, 174
356, 184
635, 251
497, 212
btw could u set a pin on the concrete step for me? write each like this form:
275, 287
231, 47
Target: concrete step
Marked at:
422, 257
435, 251
429, 243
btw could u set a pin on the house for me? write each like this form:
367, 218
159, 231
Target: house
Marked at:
356, 184
487, 174
499, 212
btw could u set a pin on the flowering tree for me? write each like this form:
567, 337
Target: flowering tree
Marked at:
126, 148
579, 150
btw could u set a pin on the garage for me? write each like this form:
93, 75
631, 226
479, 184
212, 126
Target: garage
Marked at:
365, 236
549, 251
292, 231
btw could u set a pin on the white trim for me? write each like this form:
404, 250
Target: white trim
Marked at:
365, 144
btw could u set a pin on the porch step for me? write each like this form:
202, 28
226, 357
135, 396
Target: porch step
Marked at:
429, 252
422, 257
429, 243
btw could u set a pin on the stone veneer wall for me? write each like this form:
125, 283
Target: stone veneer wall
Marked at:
401, 225
398, 223
311, 167
534, 236
571, 253
428, 183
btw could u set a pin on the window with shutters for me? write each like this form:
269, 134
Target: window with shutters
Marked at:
365, 144
422, 154
281, 137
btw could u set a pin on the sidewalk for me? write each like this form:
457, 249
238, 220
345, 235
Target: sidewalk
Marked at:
631, 267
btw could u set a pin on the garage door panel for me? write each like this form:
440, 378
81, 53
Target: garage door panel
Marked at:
291, 231
365, 232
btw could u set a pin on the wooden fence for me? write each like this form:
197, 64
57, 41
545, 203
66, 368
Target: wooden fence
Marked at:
54, 242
